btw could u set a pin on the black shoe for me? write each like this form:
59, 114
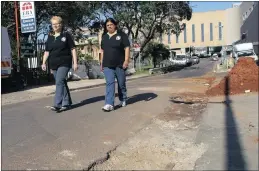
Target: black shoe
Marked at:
54, 108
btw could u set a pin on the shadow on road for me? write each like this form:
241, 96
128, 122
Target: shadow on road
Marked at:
235, 158
141, 97
138, 98
88, 101
131, 100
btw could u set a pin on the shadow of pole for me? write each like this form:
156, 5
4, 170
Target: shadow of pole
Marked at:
235, 158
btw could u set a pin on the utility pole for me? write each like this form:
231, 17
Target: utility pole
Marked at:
17, 35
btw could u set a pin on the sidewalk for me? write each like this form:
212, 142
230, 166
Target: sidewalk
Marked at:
40, 92
230, 129
83, 84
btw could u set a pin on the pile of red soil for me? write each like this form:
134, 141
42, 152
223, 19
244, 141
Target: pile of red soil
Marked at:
242, 77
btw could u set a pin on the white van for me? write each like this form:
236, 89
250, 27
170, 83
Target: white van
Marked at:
244, 50
6, 58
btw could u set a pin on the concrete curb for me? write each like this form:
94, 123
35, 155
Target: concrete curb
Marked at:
101, 84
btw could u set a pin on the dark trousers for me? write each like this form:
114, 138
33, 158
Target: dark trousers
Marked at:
62, 95
110, 75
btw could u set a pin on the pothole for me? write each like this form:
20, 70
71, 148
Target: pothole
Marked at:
154, 149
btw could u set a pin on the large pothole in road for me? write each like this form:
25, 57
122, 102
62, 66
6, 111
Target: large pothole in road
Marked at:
185, 112
163, 145
154, 148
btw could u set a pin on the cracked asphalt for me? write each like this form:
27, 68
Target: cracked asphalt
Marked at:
33, 137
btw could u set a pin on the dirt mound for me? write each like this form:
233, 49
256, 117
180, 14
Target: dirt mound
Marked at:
242, 77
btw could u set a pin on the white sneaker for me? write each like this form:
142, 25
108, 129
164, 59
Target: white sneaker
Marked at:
123, 103
107, 108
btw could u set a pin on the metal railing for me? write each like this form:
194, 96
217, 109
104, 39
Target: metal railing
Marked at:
31, 61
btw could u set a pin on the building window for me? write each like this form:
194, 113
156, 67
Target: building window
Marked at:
244, 17
185, 36
220, 31
193, 33
177, 38
202, 32
211, 32
169, 37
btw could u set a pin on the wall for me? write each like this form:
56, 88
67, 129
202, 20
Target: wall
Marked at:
233, 24
245, 9
250, 24
197, 19
230, 20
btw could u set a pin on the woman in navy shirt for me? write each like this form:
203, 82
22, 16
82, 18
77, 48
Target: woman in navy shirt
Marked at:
115, 54
60, 51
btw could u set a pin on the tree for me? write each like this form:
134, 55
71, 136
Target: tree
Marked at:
75, 14
144, 19
156, 51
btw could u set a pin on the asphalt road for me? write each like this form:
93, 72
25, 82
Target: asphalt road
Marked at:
33, 137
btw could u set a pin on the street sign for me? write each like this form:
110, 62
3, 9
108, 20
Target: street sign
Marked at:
27, 16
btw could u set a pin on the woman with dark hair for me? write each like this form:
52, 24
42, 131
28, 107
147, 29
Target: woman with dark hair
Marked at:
115, 54
60, 50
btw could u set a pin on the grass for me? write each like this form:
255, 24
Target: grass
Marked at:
141, 72
144, 70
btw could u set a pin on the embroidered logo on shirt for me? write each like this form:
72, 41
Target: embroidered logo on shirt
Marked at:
118, 38
63, 39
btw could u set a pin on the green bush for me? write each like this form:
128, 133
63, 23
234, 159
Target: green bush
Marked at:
156, 51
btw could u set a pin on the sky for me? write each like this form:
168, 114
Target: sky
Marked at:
203, 6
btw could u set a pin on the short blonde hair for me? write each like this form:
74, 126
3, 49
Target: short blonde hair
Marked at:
57, 18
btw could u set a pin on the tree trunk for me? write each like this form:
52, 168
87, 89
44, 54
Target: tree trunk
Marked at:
154, 62
135, 59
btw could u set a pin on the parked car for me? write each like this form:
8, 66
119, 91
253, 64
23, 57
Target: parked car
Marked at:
188, 60
195, 60
165, 63
244, 50
180, 60
215, 57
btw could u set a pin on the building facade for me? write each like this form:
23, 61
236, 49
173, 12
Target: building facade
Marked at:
89, 44
249, 26
212, 28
